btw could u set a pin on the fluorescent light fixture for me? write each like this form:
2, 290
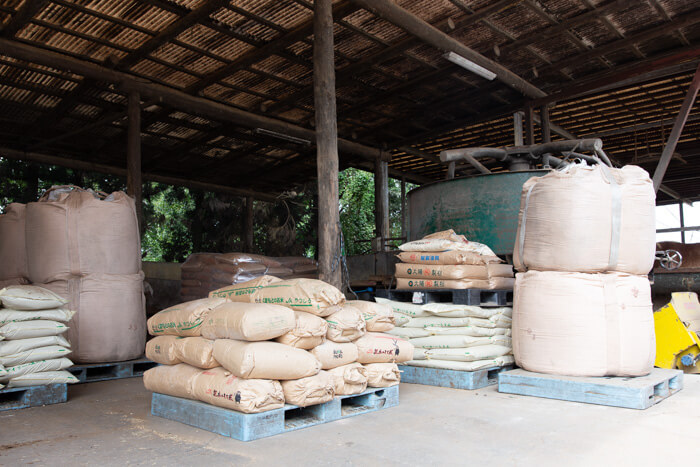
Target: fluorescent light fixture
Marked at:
274, 134
469, 65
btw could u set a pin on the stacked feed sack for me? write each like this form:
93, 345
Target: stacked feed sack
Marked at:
32, 350
455, 337
13, 251
85, 246
252, 347
445, 260
584, 307
204, 272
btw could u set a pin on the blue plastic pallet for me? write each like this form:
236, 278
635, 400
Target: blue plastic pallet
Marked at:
248, 427
451, 378
32, 396
634, 393
91, 372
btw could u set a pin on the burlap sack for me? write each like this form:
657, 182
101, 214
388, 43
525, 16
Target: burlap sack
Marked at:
382, 375
266, 360
345, 325
446, 257
378, 317
375, 347
30, 297
161, 350
247, 321
13, 252
196, 351
173, 380
184, 319
311, 390
219, 387
310, 295
334, 354
349, 379
309, 331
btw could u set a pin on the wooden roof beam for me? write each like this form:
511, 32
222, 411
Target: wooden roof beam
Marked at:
24, 15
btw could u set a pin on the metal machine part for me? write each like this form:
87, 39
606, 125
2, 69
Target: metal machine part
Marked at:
669, 259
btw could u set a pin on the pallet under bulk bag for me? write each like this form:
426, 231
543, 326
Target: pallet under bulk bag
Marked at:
334, 354
196, 351
110, 320
349, 379
345, 325
13, 252
162, 350
378, 317
382, 375
311, 390
265, 360
580, 324
606, 222
80, 232
376, 347
184, 319
309, 331
247, 321
219, 387
173, 380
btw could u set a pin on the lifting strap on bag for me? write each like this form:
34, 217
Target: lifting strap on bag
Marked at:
521, 239
616, 219
612, 324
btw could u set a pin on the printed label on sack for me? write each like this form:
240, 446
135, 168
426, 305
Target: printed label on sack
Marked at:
182, 326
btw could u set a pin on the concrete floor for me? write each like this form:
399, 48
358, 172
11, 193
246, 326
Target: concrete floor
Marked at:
109, 423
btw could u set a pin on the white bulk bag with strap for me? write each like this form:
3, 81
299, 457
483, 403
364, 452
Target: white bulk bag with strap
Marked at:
587, 219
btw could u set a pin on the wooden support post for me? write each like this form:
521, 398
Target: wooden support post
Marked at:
546, 127
249, 226
134, 185
675, 135
529, 125
381, 201
329, 253
518, 128
404, 229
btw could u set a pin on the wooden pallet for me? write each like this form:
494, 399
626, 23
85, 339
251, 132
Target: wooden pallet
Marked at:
248, 427
473, 297
451, 378
91, 372
32, 396
634, 393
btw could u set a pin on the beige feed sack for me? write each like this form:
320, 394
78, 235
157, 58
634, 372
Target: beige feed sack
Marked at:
476, 331
21, 345
162, 350
247, 321
378, 317
349, 379
196, 351
334, 354
453, 257
55, 314
311, 390
609, 227
13, 252
309, 295
444, 244
451, 310
453, 272
173, 380
184, 319
459, 341
110, 320
375, 347
39, 366
31, 329
219, 387
33, 355
346, 325
464, 366
79, 232
309, 331
471, 354
266, 360
30, 297
382, 375
411, 310
583, 324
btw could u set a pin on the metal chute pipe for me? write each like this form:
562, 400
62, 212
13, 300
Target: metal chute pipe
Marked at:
476, 153
559, 147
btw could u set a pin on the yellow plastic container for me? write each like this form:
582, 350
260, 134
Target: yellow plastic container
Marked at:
676, 325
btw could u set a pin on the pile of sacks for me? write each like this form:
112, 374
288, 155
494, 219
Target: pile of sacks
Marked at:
446, 260
32, 350
255, 346
582, 301
204, 272
454, 337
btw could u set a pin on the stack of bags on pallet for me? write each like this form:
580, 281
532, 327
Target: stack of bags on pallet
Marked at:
32, 350
204, 272
454, 337
446, 260
83, 246
255, 346
582, 301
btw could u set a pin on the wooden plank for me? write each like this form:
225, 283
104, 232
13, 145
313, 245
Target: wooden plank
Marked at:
24, 14
134, 184
381, 202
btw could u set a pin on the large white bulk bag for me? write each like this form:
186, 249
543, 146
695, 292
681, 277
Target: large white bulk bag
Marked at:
13, 253
110, 320
583, 324
79, 233
587, 219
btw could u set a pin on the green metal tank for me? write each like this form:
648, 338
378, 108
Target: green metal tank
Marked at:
484, 208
